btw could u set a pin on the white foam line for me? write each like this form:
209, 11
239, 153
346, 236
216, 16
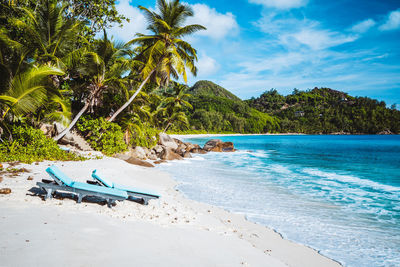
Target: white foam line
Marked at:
351, 179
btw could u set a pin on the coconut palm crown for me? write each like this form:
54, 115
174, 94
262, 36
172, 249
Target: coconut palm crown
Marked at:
165, 53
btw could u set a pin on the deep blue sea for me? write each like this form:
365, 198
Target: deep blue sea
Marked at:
337, 194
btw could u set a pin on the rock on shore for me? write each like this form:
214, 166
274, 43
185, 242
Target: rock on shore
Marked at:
216, 145
169, 148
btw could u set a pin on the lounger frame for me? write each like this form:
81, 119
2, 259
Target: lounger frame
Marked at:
52, 187
132, 195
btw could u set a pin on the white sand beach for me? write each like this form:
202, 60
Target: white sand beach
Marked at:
171, 231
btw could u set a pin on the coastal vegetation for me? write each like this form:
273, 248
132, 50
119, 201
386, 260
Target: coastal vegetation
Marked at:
316, 111
29, 145
54, 68
323, 110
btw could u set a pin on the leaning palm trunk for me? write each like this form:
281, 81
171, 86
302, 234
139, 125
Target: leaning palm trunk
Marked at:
127, 103
166, 128
73, 122
90, 101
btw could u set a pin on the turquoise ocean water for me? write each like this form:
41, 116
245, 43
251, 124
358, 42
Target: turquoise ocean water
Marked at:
337, 194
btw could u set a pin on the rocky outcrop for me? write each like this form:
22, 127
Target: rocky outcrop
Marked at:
169, 154
187, 155
340, 133
179, 142
198, 150
190, 146
152, 155
48, 130
167, 141
158, 149
216, 145
139, 162
122, 156
385, 132
138, 152
194, 148
211, 144
171, 149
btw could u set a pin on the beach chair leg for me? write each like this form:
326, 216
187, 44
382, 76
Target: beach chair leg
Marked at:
80, 196
48, 193
145, 201
109, 203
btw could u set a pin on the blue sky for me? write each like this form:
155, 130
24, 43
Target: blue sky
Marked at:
251, 46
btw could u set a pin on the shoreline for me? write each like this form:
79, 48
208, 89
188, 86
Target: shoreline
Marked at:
238, 134
174, 212
268, 228
266, 134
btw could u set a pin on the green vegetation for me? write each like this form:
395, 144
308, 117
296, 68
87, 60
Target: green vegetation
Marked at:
215, 109
323, 110
54, 69
173, 106
211, 89
29, 145
218, 114
164, 53
102, 135
144, 136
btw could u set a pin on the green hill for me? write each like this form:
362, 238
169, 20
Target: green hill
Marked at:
215, 109
323, 110
208, 88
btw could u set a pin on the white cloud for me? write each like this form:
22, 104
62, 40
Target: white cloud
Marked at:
218, 25
137, 22
281, 4
363, 26
294, 33
268, 23
276, 63
207, 65
318, 39
392, 21
375, 57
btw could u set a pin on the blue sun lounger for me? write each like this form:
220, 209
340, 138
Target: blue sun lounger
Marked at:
133, 192
63, 183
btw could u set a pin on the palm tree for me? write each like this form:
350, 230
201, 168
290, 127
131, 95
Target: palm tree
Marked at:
60, 110
12, 54
173, 107
48, 35
139, 111
103, 67
165, 53
27, 92
17, 77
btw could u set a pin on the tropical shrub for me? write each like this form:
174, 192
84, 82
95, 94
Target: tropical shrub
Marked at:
29, 145
145, 136
102, 135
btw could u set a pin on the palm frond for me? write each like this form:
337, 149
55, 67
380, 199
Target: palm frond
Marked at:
28, 90
63, 114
